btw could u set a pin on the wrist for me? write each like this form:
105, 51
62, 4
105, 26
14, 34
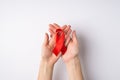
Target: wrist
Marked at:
46, 62
73, 61
74, 69
45, 71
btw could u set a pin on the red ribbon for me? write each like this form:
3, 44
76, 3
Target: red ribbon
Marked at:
59, 45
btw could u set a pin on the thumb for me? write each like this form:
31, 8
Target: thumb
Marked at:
74, 37
46, 39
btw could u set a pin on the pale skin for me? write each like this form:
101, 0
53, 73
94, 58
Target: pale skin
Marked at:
70, 57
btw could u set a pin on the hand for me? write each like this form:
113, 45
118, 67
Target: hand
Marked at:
47, 48
48, 59
72, 48
71, 43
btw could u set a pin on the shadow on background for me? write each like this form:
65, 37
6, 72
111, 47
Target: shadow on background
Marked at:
83, 56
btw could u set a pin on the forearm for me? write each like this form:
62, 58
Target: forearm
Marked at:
45, 71
74, 69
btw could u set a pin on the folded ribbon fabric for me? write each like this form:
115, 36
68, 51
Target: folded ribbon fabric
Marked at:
59, 44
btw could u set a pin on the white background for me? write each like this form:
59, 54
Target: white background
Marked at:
24, 22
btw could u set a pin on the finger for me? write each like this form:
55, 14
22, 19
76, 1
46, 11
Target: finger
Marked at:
74, 37
52, 27
67, 28
56, 26
51, 32
67, 41
46, 39
52, 41
68, 33
64, 27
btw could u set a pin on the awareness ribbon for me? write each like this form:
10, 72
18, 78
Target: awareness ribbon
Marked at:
59, 42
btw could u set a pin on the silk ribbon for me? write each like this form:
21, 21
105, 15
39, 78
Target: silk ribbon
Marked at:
59, 42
